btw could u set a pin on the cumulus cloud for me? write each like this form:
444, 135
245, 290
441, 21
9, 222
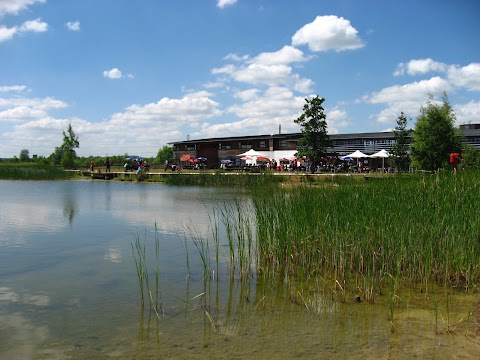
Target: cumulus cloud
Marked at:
22, 110
34, 26
269, 69
222, 3
13, 7
18, 88
467, 113
7, 33
113, 74
410, 92
28, 26
192, 107
419, 66
286, 55
467, 77
328, 33
73, 25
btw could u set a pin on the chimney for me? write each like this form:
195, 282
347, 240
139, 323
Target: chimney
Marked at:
279, 129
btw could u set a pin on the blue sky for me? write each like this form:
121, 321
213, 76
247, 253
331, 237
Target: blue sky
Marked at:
131, 76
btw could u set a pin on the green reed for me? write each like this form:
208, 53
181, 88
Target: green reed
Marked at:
423, 228
33, 172
139, 254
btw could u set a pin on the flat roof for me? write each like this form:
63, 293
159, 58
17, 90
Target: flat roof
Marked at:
286, 135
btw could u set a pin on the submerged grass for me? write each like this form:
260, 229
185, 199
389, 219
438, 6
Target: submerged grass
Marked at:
33, 172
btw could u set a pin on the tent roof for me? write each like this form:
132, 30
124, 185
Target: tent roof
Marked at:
252, 152
381, 154
357, 154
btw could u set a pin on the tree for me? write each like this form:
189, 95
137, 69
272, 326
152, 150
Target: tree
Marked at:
24, 155
470, 157
70, 142
165, 153
314, 141
400, 151
435, 136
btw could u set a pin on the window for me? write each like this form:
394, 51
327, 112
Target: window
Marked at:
283, 144
245, 145
225, 146
262, 144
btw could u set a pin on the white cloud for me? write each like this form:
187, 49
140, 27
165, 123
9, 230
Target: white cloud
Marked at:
222, 3
467, 113
192, 107
466, 77
7, 33
328, 33
286, 55
73, 25
14, 7
419, 66
410, 92
112, 74
34, 26
18, 88
28, 26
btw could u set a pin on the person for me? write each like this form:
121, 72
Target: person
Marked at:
166, 164
92, 166
107, 163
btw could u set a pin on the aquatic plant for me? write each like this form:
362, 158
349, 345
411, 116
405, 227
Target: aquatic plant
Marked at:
419, 228
141, 265
34, 172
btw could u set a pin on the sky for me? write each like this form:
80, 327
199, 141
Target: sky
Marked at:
132, 76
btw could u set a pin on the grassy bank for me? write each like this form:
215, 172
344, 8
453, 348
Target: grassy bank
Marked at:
33, 172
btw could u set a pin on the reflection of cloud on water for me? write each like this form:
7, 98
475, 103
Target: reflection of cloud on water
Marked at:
8, 295
175, 211
19, 219
20, 338
114, 255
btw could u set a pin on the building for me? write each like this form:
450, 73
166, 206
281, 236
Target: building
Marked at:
217, 149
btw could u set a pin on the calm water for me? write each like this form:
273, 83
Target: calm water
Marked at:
68, 288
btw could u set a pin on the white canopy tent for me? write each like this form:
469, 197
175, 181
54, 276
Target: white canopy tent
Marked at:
251, 156
381, 154
355, 155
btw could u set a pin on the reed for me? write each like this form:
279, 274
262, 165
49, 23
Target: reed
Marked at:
421, 228
139, 254
33, 172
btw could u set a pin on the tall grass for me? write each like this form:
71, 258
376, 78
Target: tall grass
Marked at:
146, 288
421, 228
33, 172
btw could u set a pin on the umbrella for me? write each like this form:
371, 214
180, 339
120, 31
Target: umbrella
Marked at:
381, 154
356, 155
185, 157
201, 158
252, 153
226, 161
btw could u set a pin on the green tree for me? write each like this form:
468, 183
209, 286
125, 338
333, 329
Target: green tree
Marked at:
70, 142
435, 136
314, 141
470, 157
400, 151
24, 155
165, 153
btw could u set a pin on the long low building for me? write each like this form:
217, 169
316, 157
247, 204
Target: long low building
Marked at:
283, 145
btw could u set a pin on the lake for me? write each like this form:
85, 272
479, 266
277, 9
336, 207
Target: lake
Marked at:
69, 287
